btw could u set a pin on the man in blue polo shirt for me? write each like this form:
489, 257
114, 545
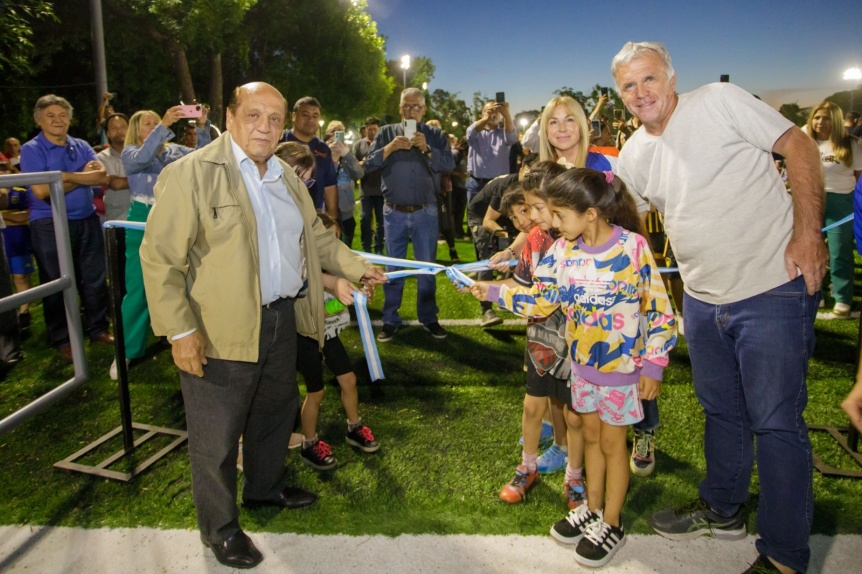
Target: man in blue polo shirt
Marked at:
306, 121
54, 150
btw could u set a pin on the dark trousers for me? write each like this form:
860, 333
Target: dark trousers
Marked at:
88, 256
257, 401
348, 228
444, 216
371, 214
10, 342
459, 210
483, 244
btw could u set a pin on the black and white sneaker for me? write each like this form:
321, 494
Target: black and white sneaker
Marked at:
697, 519
571, 529
387, 333
599, 544
436, 330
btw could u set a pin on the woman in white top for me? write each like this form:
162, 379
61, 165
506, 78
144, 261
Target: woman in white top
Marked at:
841, 156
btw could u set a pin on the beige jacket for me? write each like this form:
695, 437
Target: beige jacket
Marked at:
200, 258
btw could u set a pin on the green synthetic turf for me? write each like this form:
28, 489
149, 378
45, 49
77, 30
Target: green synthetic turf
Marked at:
448, 418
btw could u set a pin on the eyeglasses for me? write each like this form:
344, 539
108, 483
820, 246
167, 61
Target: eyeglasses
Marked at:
309, 183
412, 107
71, 152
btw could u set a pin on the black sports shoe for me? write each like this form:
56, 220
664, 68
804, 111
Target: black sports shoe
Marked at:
599, 544
24, 321
762, 566
318, 456
361, 438
571, 529
387, 333
436, 330
697, 519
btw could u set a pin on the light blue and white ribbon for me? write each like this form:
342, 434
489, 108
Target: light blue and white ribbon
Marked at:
366, 334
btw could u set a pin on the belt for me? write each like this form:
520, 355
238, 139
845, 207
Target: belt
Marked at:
406, 208
277, 302
145, 199
482, 179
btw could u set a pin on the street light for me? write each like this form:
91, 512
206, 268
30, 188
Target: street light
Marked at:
424, 86
524, 123
405, 65
854, 75
454, 124
321, 128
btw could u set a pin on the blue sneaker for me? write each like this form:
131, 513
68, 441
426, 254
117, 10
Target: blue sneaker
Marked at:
552, 460
546, 438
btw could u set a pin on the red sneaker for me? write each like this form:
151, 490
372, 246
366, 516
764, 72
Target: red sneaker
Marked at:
523, 481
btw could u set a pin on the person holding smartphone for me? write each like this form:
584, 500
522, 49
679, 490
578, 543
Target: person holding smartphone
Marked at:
147, 151
411, 167
490, 138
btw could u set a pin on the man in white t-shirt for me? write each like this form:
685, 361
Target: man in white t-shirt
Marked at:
752, 258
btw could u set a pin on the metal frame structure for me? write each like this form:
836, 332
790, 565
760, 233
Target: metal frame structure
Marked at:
850, 444
66, 284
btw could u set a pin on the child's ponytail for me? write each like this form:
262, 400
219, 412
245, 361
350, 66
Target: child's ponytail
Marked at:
624, 212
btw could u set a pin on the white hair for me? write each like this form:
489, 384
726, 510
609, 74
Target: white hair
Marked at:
412, 92
634, 50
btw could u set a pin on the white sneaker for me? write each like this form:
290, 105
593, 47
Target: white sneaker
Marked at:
841, 310
112, 372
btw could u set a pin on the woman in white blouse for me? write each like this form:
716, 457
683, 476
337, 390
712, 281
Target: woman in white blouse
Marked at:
841, 157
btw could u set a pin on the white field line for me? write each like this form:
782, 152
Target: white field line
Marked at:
148, 550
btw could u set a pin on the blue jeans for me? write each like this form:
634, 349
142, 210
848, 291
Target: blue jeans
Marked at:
750, 360
371, 211
650, 420
474, 186
400, 228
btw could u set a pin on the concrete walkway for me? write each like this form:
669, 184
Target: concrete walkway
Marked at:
144, 550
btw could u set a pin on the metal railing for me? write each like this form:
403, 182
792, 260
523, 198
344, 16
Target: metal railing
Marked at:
65, 284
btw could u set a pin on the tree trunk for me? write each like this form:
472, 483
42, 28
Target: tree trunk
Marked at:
216, 91
182, 71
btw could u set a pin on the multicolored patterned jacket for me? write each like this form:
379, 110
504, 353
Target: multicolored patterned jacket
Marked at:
619, 323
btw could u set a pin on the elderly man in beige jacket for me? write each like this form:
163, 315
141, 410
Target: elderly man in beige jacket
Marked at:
232, 256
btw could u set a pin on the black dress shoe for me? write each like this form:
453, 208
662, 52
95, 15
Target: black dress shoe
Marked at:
238, 551
290, 497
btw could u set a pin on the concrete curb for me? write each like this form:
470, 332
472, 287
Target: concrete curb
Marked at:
147, 550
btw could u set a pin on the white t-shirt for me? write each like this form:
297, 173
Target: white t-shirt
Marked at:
839, 177
726, 210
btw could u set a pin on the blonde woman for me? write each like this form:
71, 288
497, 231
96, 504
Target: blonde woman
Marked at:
841, 157
145, 155
564, 136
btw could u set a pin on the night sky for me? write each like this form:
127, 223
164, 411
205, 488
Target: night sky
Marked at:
790, 51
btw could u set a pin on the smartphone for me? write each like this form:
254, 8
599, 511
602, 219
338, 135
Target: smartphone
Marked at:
501, 97
596, 126
339, 136
724, 78
604, 91
190, 111
409, 128
618, 114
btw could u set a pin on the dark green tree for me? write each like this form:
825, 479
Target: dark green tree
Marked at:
449, 109
328, 49
16, 32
